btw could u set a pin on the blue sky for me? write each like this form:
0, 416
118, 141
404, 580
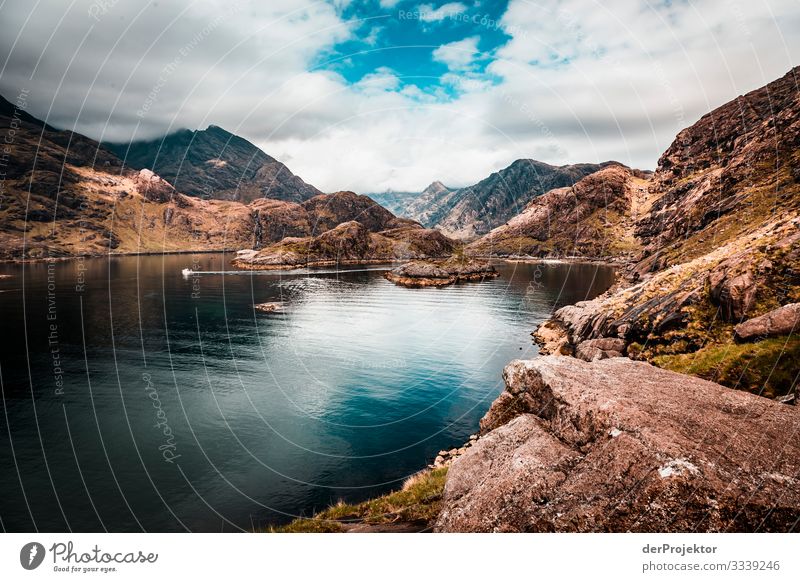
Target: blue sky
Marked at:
371, 95
404, 37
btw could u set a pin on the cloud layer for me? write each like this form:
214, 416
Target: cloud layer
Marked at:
574, 82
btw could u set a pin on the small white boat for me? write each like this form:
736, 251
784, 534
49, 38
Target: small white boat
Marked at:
187, 272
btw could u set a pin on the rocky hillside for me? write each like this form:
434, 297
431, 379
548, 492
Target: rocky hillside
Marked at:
348, 243
469, 212
721, 245
276, 219
214, 163
617, 446
734, 171
64, 195
594, 218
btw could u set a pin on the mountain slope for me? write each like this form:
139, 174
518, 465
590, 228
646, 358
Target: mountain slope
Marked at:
593, 218
64, 194
214, 163
721, 245
395, 202
429, 204
472, 211
276, 220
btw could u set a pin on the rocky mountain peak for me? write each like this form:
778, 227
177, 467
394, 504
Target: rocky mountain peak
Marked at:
217, 164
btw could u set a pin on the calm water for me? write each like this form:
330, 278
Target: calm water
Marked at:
149, 401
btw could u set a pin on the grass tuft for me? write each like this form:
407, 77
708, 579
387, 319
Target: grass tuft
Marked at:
418, 502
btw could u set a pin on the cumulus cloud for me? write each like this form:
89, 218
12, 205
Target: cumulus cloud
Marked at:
458, 55
575, 82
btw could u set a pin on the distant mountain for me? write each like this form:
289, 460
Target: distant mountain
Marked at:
396, 202
429, 204
214, 163
594, 218
475, 210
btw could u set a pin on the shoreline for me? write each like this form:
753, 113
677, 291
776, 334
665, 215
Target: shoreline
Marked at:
611, 262
114, 255
314, 264
327, 263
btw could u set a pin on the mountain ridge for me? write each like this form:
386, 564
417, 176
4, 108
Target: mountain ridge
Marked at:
66, 195
472, 211
215, 163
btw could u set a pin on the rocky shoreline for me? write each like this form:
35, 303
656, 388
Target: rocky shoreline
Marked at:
77, 257
661, 405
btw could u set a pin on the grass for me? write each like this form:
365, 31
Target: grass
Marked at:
418, 501
768, 367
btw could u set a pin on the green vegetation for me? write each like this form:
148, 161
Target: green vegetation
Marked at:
767, 367
417, 502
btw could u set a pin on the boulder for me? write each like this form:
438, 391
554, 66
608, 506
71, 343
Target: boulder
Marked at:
552, 339
619, 445
600, 349
781, 321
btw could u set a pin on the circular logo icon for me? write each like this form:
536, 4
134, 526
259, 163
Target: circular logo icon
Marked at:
31, 555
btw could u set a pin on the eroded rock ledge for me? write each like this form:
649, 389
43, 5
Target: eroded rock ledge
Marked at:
439, 273
619, 445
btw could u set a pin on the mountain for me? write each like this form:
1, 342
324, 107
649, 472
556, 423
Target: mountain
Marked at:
395, 202
276, 220
469, 212
593, 218
64, 194
214, 163
720, 251
342, 227
348, 243
429, 204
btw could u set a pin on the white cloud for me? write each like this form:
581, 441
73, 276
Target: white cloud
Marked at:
427, 13
458, 55
577, 82
372, 38
383, 79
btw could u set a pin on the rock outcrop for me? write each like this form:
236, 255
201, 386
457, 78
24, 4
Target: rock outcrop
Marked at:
348, 243
421, 273
720, 244
617, 445
782, 321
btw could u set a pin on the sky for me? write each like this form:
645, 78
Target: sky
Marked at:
377, 95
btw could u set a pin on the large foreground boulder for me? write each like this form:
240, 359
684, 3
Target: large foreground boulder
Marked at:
619, 445
781, 321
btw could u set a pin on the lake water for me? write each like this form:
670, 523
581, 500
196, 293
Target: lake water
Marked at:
134, 398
